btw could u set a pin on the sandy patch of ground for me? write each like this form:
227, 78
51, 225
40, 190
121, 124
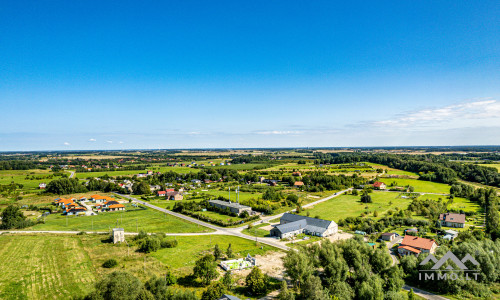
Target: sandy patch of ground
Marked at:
312, 196
267, 227
340, 236
270, 264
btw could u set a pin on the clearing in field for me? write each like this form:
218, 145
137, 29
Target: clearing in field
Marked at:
133, 219
43, 267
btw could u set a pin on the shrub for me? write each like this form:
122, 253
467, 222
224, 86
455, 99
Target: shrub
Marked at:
110, 263
169, 243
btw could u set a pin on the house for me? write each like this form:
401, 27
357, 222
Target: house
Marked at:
298, 183
116, 207
161, 193
379, 185
174, 195
232, 206
228, 297
296, 174
291, 225
153, 188
450, 234
196, 181
388, 236
415, 245
75, 211
107, 204
100, 199
118, 235
452, 220
83, 198
64, 202
42, 186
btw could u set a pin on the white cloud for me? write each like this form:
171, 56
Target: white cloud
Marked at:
476, 113
278, 132
120, 142
92, 140
66, 144
110, 142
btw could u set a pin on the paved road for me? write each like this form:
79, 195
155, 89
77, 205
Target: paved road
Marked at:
219, 230
72, 174
389, 247
424, 294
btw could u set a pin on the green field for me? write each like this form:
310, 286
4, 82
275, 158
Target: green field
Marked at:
497, 166
419, 185
132, 219
458, 203
345, 206
41, 267
183, 257
18, 176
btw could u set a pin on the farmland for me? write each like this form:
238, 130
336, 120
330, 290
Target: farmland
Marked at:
59, 268
133, 219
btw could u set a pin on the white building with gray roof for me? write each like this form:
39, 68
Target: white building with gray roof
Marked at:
291, 225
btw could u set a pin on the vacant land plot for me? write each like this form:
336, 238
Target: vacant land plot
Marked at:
351, 206
44, 267
497, 166
133, 219
419, 185
183, 257
458, 203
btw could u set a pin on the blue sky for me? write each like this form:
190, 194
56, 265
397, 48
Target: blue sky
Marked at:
190, 74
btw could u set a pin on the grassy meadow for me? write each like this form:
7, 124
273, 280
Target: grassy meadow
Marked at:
133, 219
43, 267
350, 206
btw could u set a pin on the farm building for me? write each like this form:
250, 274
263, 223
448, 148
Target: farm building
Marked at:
42, 186
415, 245
296, 174
452, 220
298, 183
233, 206
118, 235
291, 225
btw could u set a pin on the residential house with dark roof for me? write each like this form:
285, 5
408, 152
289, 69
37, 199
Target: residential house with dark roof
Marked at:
291, 225
452, 220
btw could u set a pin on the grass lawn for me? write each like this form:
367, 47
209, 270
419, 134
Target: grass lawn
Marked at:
350, 206
183, 257
419, 185
19, 176
256, 231
141, 218
497, 166
44, 267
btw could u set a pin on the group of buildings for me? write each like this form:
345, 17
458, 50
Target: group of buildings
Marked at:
292, 225
81, 206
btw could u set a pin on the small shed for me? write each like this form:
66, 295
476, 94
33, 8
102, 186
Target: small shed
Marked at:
118, 235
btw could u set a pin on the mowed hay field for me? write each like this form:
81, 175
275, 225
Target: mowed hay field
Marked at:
44, 267
132, 220
420, 186
345, 206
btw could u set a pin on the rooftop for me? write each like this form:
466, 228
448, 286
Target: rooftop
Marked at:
228, 204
